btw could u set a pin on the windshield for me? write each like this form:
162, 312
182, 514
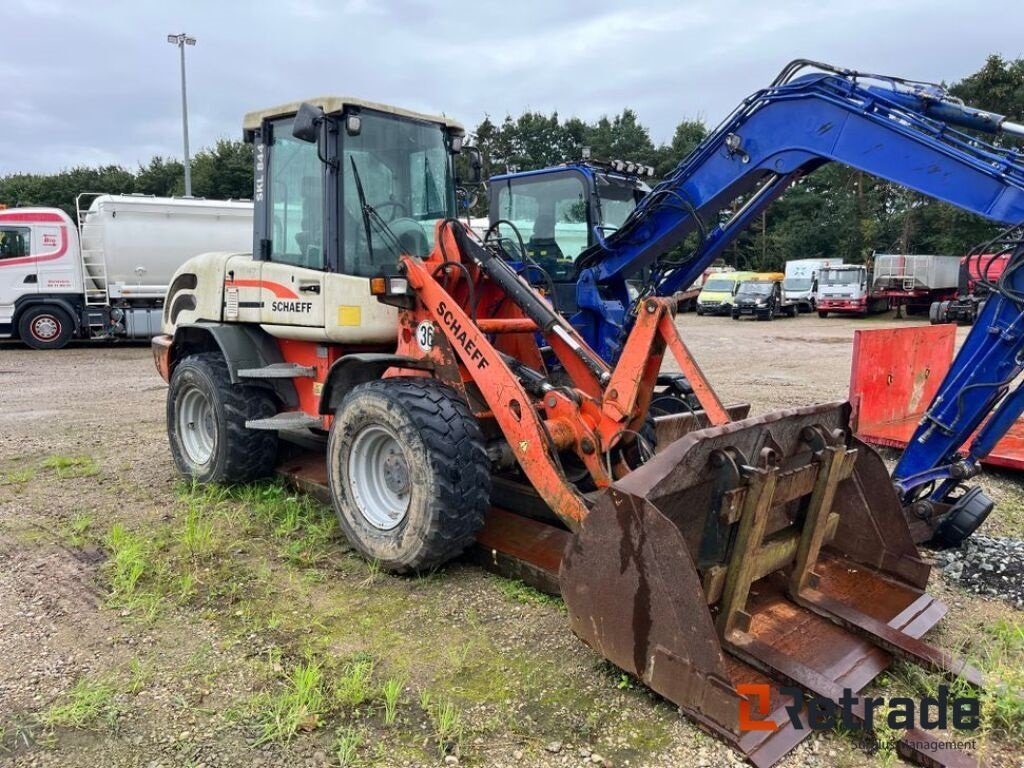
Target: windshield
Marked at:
549, 213
755, 289
840, 276
404, 171
618, 200
719, 285
797, 284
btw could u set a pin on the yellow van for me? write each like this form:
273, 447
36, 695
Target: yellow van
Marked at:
715, 297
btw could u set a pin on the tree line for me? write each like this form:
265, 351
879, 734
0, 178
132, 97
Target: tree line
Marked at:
834, 212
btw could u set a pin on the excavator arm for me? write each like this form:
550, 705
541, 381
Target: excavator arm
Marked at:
893, 129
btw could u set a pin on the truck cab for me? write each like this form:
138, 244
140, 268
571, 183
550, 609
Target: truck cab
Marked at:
844, 290
801, 282
40, 275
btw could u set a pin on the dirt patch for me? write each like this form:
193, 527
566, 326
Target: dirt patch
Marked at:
221, 628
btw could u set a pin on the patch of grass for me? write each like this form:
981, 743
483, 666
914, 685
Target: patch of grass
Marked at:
197, 533
353, 687
518, 592
1002, 659
76, 531
68, 467
19, 476
129, 562
298, 707
346, 746
446, 720
89, 704
391, 692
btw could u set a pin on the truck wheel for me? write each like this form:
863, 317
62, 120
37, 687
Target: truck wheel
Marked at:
822, 314
700, 312
45, 327
206, 417
408, 472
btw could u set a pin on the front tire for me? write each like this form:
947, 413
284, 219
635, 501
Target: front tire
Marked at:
822, 314
408, 472
206, 417
45, 327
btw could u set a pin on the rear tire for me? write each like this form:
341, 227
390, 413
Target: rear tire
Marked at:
45, 327
408, 472
822, 314
206, 417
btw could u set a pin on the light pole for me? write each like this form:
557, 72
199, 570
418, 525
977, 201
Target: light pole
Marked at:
181, 41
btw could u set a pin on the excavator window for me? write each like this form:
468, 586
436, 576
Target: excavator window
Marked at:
296, 191
14, 242
550, 212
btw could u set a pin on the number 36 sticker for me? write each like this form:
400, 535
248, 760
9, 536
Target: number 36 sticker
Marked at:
425, 335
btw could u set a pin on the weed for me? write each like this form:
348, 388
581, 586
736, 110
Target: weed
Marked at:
19, 476
373, 571
346, 746
77, 529
518, 592
353, 687
89, 703
197, 533
129, 562
67, 467
425, 700
390, 692
297, 708
448, 730
140, 675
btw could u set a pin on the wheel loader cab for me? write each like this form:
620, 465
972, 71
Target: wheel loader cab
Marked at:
342, 188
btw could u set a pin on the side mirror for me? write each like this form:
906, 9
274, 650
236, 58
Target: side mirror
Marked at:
307, 123
476, 165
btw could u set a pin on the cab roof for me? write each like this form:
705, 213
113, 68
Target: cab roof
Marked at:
333, 105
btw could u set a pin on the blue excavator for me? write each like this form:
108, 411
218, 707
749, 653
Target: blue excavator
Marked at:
603, 241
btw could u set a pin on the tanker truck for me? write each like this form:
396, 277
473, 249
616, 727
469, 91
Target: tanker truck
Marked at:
106, 275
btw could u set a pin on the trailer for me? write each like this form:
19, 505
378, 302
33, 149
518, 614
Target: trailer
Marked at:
844, 290
977, 274
106, 275
915, 281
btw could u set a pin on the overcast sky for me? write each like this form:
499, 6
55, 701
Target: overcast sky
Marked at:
96, 82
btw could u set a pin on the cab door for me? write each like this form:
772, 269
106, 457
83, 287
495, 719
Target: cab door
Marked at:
292, 277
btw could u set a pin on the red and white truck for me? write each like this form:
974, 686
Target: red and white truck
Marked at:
106, 275
845, 290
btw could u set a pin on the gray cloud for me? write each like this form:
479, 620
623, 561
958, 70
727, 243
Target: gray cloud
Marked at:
88, 83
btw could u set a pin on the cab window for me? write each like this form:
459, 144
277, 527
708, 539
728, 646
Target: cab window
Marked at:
551, 216
400, 170
14, 242
296, 190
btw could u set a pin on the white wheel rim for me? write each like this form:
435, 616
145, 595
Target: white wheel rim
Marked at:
379, 477
46, 328
196, 425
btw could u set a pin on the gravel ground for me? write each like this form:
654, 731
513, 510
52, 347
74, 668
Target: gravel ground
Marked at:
82, 449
